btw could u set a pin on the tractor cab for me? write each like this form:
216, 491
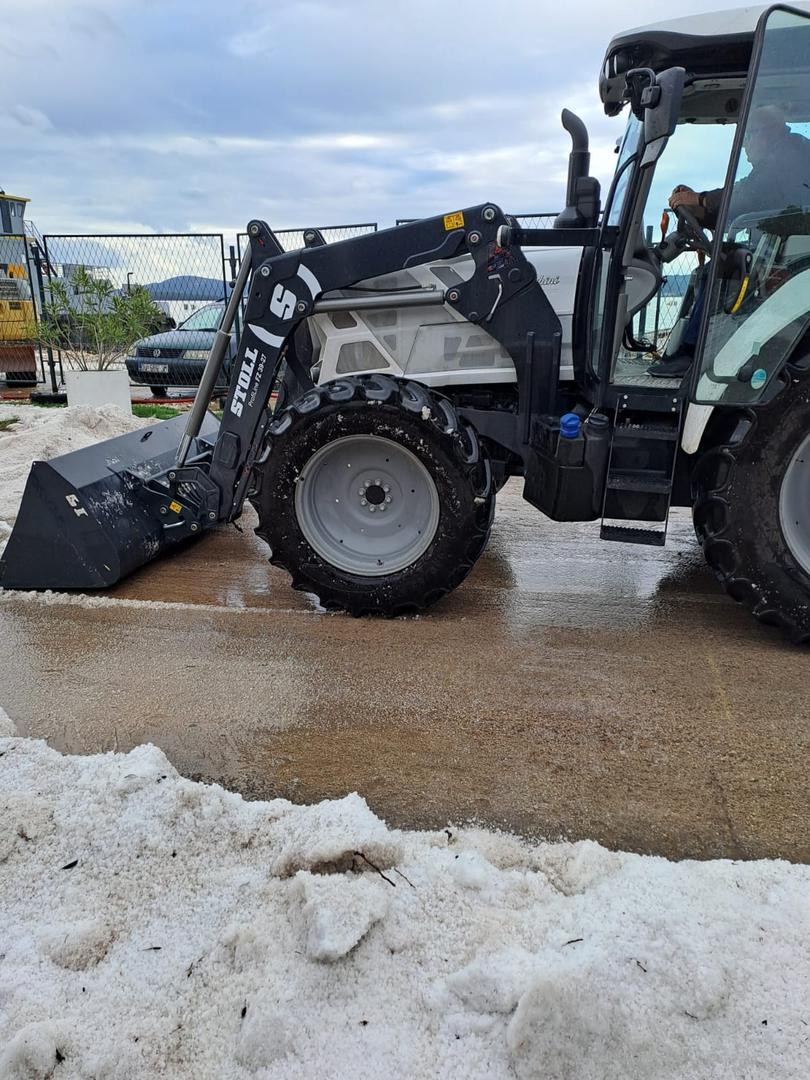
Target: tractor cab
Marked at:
719, 104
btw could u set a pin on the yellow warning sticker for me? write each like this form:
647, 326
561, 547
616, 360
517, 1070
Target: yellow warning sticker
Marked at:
175, 507
453, 221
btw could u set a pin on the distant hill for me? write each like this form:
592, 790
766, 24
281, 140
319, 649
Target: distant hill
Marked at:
675, 285
187, 287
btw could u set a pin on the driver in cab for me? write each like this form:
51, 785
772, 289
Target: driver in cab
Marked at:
779, 177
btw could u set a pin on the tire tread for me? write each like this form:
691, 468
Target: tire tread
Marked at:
456, 434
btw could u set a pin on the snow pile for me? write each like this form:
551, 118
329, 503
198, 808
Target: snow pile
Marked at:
154, 926
7, 726
42, 433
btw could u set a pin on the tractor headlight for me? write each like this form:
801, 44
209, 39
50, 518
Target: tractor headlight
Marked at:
195, 354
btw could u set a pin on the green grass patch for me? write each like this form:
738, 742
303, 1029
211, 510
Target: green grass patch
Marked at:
146, 412
155, 412
6, 424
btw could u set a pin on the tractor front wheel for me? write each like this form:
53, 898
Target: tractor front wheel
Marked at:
752, 509
374, 495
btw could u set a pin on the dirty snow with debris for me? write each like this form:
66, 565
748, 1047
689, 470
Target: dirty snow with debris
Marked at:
150, 925
42, 433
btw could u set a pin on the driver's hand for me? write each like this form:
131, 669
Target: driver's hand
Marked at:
683, 196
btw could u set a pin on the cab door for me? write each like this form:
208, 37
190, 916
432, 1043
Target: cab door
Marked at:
758, 291
624, 275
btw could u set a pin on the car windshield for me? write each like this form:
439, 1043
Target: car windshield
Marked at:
206, 318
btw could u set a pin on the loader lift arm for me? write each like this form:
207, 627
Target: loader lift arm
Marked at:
502, 295
90, 517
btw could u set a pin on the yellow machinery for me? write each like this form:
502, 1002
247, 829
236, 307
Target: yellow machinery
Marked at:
17, 356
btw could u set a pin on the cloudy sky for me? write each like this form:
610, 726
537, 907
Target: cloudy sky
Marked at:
175, 115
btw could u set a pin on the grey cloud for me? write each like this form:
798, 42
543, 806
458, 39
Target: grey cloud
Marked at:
30, 118
301, 112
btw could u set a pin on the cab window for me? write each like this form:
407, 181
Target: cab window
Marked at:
759, 303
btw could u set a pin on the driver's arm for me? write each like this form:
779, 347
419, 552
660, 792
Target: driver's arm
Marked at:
705, 205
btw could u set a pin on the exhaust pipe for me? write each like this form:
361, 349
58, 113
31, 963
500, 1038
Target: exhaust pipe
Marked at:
582, 202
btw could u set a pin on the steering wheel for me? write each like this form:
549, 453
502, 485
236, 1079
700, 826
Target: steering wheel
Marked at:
691, 231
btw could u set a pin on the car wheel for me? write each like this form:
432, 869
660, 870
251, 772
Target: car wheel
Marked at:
21, 378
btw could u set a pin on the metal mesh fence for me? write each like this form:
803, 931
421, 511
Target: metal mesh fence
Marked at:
18, 354
656, 321
537, 221
292, 239
147, 303
185, 279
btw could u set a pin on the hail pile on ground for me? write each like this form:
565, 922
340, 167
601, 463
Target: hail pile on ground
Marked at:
155, 926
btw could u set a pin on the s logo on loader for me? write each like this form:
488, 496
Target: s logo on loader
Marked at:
243, 381
282, 302
76, 506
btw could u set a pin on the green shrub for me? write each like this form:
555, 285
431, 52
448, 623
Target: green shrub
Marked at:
92, 323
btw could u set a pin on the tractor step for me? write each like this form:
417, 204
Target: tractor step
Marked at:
646, 431
626, 534
638, 486
638, 480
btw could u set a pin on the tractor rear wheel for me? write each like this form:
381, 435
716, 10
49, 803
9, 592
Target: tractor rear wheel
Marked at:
752, 509
374, 495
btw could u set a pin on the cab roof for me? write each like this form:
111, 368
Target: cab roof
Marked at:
713, 44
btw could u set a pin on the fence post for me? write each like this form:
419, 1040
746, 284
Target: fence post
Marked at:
49, 272
41, 287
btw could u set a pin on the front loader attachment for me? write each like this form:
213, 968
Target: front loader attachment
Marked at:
92, 516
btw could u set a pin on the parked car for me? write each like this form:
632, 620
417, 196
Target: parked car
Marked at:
177, 357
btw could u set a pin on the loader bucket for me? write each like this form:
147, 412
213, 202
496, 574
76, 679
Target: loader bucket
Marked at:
86, 520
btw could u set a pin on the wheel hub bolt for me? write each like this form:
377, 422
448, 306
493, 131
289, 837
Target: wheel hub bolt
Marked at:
375, 494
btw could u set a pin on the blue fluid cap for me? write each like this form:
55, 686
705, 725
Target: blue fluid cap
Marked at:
570, 425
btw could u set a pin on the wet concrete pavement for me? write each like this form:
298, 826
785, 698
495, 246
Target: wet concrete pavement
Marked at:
569, 688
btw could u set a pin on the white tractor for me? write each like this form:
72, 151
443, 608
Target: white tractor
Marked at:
617, 362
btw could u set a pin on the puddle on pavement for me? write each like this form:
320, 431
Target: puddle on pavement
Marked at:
569, 687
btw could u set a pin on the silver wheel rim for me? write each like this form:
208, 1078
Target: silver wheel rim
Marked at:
794, 505
367, 505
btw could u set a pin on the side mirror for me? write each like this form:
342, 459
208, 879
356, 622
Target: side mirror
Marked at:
656, 100
661, 118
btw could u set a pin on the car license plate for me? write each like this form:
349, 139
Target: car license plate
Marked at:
155, 369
